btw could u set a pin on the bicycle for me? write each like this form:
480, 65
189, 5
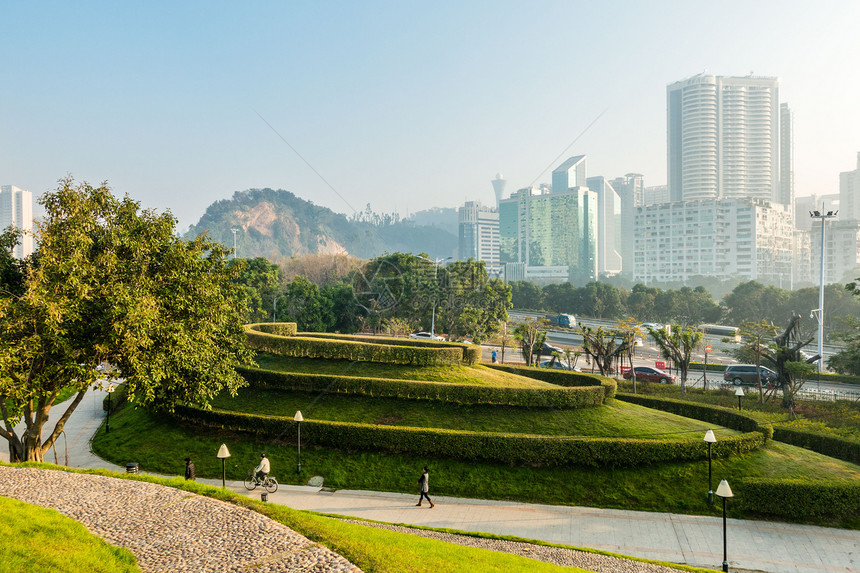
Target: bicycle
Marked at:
251, 482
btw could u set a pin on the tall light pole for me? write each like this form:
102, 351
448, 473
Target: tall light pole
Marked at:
711, 440
435, 270
724, 491
234, 230
823, 216
298, 419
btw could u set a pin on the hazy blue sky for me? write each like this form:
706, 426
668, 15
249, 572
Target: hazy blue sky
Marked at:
405, 105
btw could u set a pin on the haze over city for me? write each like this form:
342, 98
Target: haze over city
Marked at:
404, 105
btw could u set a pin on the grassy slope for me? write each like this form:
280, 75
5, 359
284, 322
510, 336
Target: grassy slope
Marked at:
479, 375
616, 419
46, 541
160, 445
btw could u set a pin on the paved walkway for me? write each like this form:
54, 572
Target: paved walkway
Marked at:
693, 540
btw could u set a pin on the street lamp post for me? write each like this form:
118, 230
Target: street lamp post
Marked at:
110, 390
724, 491
435, 269
711, 440
234, 230
823, 216
740, 394
223, 454
299, 419
275, 307
705, 372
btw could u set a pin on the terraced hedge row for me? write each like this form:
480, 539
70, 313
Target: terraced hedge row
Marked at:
360, 348
801, 499
566, 398
303, 347
513, 449
279, 328
561, 377
471, 352
716, 415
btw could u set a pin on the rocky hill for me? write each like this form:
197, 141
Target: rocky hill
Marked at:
277, 225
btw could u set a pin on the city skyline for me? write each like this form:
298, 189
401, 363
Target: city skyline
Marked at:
405, 106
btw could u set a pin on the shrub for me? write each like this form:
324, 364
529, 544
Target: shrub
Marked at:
800, 499
561, 377
279, 328
513, 449
566, 398
826, 444
717, 415
471, 352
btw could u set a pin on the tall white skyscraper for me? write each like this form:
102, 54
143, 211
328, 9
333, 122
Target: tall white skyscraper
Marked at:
849, 194
723, 137
16, 208
786, 155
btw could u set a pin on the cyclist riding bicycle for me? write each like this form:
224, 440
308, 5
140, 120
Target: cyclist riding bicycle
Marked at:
262, 470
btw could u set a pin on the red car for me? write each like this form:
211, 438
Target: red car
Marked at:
648, 374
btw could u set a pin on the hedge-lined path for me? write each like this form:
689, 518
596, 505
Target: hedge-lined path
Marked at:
169, 529
695, 540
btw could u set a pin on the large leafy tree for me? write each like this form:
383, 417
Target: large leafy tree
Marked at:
677, 344
260, 281
113, 283
603, 346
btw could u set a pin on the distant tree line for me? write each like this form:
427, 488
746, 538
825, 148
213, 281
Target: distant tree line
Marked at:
687, 306
395, 294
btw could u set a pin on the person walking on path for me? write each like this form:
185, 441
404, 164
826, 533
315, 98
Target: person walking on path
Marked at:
189, 469
262, 470
494, 356
424, 487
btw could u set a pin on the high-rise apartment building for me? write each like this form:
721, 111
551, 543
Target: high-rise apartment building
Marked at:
786, 155
841, 250
748, 239
16, 209
654, 195
479, 235
849, 194
608, 226
630, 189
723, 137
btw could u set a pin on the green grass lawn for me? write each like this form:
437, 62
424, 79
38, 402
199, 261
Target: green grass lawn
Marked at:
36, 540
159, 444
615, 419
479, 375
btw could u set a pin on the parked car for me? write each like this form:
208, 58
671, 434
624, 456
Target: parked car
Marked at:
547, 349
557, 365
648, 374
425, 336
745, 374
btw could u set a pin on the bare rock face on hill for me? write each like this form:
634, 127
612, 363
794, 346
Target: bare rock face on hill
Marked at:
277, 225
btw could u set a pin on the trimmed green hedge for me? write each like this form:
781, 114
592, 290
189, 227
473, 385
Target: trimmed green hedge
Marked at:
361, 348
514, 449
303, 347
566, 398
568, 378
801, 499
717, 415
279, 328
828, 445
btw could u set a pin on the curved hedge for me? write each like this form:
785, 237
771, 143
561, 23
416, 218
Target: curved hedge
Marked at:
306, 347
833, 446
717, 415
569, 379
279, 328
801, 499
471, 352
513, 449
566, 398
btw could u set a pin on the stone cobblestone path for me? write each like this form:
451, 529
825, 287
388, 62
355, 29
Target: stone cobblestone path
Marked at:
172, 530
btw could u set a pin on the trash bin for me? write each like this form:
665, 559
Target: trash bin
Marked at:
131, 467
264, 496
